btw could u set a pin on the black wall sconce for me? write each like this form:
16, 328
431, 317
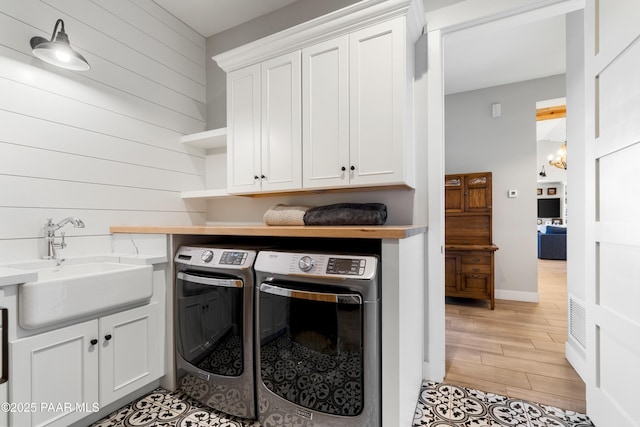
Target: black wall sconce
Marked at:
542, 172
58, 51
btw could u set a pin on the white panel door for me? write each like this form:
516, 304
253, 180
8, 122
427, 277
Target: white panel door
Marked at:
378, 103
243, 130
131, 353
56, 369
613, 147
281, 123
325, 109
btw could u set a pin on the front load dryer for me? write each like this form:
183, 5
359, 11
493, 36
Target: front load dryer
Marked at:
214, 327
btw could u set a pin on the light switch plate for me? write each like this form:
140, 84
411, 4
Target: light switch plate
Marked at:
512, 193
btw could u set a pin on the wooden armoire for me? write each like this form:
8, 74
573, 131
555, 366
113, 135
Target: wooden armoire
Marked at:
469, 248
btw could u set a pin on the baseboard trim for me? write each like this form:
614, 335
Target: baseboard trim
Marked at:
577, 357
517, 295
429, 375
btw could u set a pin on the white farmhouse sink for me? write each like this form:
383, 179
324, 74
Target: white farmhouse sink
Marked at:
72, 291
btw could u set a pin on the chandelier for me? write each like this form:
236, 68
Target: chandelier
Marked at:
561, 159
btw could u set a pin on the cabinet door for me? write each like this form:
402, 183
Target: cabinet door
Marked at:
325, 106
281, 123
451, 273
476, 274
243, 130
55, 368
378, 104
475, 285
478, 192
454, 193
131, 351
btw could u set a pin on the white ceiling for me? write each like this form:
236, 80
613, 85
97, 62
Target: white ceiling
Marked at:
502, 54
488, 56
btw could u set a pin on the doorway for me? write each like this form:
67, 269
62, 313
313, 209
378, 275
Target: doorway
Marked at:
507, 161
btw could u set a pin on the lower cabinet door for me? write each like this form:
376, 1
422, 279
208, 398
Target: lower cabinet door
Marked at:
476, 284
54, 376
131, 356
451, 277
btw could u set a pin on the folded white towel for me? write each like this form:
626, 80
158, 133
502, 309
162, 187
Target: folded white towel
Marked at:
285, 215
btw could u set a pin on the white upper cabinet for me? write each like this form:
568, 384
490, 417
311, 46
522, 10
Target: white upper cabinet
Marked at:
243, 130
381, 142
326, 104
325, 109
281, 120
263, 125
355, 94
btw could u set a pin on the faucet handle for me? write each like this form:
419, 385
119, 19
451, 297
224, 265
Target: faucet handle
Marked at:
62, 243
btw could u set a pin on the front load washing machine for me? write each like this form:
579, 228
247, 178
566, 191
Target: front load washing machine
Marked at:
318, 339
214, 327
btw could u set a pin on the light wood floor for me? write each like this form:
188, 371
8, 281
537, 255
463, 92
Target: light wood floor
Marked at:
516, 350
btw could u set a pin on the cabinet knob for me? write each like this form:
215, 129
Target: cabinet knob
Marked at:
352, 168
263, 177
343, 169
107, 337
93, 341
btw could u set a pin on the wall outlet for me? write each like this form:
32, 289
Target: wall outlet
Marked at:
512, 194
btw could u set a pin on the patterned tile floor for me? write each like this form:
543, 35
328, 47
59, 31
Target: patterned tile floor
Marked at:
438, 405
449, 405
162, 408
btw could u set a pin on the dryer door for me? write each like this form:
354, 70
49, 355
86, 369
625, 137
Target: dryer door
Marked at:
210, 322
311, 347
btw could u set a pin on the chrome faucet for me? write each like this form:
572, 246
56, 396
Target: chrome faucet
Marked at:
50, 236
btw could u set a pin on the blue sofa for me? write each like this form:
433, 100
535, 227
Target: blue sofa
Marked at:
552, 244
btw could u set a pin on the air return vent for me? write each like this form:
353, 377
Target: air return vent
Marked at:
577, 322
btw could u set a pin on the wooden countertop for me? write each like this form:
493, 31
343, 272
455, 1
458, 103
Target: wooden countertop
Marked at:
350, 232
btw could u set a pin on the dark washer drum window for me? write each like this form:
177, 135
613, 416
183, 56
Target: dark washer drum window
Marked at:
311, 348
210, 319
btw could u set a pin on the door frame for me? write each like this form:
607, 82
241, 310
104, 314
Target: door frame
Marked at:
465, 15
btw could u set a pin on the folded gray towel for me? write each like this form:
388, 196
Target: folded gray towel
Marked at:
347, 214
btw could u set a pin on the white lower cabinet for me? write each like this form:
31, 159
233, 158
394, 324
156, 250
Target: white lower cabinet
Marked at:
133, 356
66, 374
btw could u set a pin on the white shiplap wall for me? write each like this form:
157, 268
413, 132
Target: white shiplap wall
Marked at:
101, 145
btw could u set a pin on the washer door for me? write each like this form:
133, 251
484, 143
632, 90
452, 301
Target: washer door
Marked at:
210, 322
311, 347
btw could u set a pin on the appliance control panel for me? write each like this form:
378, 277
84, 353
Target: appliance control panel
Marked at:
203, 256
318, 265
349, 266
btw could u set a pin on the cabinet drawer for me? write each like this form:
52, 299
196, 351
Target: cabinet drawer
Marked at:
476, 284
476, 269
476, 259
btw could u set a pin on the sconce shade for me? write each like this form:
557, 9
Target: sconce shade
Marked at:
58, 51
